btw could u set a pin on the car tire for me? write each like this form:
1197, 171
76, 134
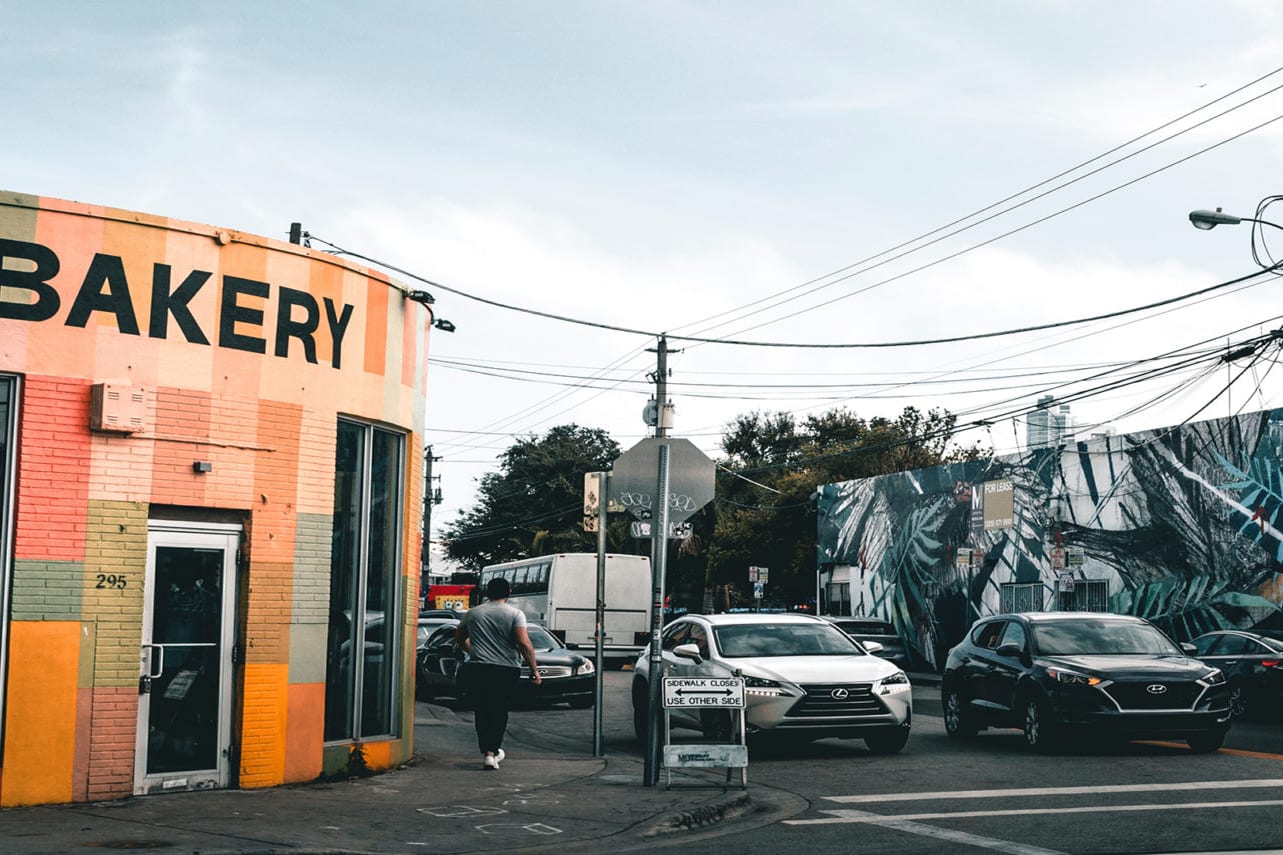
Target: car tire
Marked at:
641, 710
958, 720
581, 703
1040, 734
1207, 741
1238, 701
890, 741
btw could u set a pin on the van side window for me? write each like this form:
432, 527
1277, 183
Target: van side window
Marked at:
675, 636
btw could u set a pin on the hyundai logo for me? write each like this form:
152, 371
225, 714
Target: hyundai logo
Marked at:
839, 694
1156, 689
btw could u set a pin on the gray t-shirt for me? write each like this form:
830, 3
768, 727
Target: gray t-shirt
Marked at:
492, 628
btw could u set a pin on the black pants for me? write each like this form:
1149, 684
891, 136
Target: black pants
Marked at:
490, 687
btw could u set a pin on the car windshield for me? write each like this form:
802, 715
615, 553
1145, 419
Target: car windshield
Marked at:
541, 638
1101, 637
784, 639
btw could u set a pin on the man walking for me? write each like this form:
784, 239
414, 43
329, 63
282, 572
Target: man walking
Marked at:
494, 636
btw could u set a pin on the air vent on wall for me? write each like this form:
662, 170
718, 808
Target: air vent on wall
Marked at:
118, 409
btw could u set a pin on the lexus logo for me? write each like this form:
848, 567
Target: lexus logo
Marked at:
839, 694
1156, 689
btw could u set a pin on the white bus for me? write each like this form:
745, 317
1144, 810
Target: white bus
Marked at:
560, 592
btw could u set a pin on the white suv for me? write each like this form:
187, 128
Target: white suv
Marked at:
803, 677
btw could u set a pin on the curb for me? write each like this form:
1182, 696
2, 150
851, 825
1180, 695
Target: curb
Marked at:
705, 815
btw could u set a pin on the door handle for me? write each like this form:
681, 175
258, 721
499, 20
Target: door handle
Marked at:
156, 661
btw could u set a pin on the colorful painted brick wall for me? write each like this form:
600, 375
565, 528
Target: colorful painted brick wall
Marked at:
248, 351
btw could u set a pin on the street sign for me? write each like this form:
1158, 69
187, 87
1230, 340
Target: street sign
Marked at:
635, 478
687, 692
676, 531
757, 590
759, 574
689, 756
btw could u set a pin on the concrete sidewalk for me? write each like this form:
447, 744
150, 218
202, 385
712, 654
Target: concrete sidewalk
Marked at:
442, 802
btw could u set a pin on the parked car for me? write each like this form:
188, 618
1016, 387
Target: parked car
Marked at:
427, 625
1253, 665
872, 631
568, 677
1094, 676
803, 677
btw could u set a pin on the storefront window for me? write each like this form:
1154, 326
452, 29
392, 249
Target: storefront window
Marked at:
363, 642
8, 444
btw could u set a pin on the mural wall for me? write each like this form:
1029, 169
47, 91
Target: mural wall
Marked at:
1180, 525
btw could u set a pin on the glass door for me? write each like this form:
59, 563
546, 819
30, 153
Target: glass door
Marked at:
185, 666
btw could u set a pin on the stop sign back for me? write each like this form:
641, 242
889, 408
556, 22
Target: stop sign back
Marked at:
635, 478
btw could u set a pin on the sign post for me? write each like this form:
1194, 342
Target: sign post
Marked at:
663, 480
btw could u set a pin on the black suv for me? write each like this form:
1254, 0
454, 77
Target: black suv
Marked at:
1054, 674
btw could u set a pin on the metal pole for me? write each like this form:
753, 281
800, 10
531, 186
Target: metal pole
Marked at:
603, 490
659, 560
661, 390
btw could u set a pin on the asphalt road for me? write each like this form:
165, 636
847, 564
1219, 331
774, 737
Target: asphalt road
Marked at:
942, 795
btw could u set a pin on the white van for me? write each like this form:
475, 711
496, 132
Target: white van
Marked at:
560, 592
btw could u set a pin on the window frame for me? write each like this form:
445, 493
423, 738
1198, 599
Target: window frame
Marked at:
386, 702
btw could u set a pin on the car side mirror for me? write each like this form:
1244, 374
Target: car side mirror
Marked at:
1010, 650
1188, 649
688, 651
873, 647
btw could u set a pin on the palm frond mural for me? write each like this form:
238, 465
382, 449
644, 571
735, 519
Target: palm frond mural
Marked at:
1183, 525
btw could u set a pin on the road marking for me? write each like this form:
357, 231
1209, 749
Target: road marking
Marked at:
960, 837
1058, 791
850, 816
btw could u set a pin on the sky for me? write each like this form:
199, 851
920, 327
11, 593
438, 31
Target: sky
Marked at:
835, 173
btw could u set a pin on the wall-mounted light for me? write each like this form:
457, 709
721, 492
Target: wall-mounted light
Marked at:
421, 297
200, 467
443, 325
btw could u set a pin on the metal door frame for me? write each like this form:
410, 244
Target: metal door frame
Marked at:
197, 535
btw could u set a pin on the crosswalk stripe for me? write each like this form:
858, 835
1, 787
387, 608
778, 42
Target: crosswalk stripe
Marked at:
1256, 783
858, 816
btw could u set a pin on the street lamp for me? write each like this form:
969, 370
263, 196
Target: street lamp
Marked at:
1205, 220
1211, 219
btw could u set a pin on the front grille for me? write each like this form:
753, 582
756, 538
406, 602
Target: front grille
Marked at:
1146, 695
549, 671
820, 702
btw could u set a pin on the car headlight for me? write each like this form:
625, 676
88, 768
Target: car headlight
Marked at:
585, 668
896, 683
1073, 677
762, 687
1213, 677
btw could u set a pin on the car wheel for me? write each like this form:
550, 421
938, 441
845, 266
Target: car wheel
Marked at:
888, 741
716, 725
1206, 742
581, 703
1040, 733
958, 721
641, 711
1238, 701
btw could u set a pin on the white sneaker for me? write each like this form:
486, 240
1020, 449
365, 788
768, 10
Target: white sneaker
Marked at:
499, 755
490, 762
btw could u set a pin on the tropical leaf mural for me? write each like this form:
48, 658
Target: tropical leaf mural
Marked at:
1182, 525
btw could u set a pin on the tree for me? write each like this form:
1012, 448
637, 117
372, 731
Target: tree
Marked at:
764, 514
534, 504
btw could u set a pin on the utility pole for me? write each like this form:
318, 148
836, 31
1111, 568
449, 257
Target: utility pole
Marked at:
431, 496
663, 407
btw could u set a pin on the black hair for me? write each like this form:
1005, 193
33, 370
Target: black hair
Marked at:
498, 589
